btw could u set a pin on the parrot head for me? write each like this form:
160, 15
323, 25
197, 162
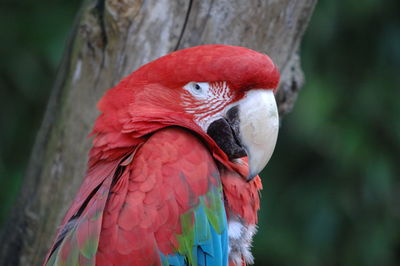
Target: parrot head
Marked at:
224, 93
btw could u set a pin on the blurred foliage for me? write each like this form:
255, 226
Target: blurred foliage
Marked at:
32, 42
332, 189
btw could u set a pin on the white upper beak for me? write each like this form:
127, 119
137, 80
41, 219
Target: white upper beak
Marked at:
259, 126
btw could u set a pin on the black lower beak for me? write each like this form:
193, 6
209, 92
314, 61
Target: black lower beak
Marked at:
225, 132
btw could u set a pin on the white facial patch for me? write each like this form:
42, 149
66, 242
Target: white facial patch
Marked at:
200, 90
206, 101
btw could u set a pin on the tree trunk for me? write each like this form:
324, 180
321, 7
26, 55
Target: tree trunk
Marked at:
112, 38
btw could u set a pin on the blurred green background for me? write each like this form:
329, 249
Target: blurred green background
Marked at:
332, 189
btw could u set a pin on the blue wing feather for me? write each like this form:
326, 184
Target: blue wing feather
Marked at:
210, 236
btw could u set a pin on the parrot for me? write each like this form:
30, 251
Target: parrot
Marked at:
172, 174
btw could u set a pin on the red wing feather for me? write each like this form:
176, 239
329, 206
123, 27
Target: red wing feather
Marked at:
142, 215
81, 224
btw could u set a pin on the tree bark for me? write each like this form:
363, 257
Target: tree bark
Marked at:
112, 38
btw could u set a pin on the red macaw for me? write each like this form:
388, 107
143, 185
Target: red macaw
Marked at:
172, 175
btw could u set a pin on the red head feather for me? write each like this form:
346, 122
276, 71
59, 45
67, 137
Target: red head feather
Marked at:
241, 67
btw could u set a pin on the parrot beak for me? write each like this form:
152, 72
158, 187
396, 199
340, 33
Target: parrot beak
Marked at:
258, 128
249, 128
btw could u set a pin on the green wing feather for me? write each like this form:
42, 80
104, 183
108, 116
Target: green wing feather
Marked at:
79, 244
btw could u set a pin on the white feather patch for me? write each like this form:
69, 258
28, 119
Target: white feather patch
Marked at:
240, 239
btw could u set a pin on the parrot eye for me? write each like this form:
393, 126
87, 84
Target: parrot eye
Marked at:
198, 89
